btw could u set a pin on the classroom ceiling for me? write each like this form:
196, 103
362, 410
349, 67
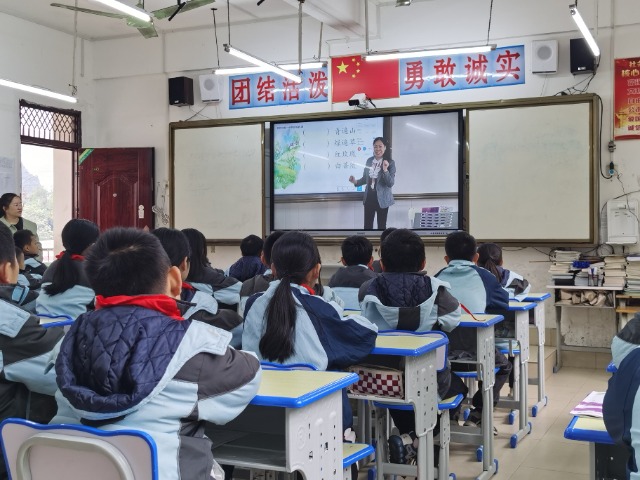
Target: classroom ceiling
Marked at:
343, 16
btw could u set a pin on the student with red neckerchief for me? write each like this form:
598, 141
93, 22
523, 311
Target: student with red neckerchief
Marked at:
289, 323
136, 363
65, 287
203, 306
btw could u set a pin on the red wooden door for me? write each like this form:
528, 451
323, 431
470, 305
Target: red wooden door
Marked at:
115, 187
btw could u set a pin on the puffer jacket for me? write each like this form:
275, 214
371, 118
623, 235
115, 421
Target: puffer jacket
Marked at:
135, 363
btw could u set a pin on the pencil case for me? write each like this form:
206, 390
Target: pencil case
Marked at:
379, 381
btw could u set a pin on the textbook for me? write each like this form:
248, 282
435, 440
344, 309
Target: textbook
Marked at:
591, 406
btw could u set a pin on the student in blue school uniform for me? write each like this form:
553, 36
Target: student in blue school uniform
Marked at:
203, 306
28, 242
250, 264
25, 293
490, 258
621, 405
136, 363
65, 287
289, 323
26, 391
260, 283
202, 276
404, 297
357, 259
479, 291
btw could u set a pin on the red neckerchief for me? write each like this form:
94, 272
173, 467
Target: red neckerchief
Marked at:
187, 286
308, 288
160, 303
74, 256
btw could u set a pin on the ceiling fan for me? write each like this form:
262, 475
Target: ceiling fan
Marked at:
147, 29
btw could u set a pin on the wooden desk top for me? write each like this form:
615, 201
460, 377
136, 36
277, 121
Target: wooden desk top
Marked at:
482, 320
519, 306
407, 345
297, 388
587, 429
537, 297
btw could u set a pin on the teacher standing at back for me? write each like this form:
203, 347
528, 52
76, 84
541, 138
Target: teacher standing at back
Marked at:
379, 176
11, 213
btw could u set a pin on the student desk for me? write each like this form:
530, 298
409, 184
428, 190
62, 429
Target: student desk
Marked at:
539, 324
420, 390
559, 306
521, 375
294, 423
606, 459
485, 347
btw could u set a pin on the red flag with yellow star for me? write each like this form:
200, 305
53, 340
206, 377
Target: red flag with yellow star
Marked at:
353, 74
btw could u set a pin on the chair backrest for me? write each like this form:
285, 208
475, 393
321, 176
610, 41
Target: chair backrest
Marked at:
442, 352
63, 452
290, 366
349, 295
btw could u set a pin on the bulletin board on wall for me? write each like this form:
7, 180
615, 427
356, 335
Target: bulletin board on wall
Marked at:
217, 179
533, 171
530, 176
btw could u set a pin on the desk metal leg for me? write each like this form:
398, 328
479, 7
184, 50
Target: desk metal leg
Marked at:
539, 323
558, 340
522, 336
445, 436
486, 358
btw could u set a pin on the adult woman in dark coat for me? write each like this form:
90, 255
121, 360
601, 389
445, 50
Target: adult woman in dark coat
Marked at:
379, 176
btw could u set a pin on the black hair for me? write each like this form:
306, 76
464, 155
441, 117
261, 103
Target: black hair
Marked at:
356, 250
251, 246
127, 261
5, 201
490, 258
460, 246
386, 153
19, 252
198, 245
403, 251
268, 245
175, 243
7, 247
294, 255
22, 238
385, 233
77, 235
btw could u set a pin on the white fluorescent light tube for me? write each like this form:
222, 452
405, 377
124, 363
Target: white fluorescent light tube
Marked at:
584, 30
248, 70
129, 10
261, 63
372, 57
38, 91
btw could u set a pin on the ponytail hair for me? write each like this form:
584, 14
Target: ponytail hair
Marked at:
294, 255
199, 260
77, 235
490, 258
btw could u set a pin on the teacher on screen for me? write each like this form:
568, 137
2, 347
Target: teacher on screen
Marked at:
379, 176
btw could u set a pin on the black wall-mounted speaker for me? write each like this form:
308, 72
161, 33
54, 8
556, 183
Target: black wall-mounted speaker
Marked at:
181, 91
582, 59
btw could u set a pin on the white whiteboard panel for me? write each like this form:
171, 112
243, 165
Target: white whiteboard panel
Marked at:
217, 180
530, 173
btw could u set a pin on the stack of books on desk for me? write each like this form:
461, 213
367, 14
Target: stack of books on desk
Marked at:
561, 270
615, 271
633, 274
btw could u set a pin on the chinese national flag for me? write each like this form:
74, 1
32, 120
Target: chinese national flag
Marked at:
353, 74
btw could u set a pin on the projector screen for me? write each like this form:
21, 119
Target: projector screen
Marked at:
322, 172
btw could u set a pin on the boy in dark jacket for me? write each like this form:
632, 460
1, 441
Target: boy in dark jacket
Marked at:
357, 259
135, 362
479, 291
27, 241
25, 349
403, 297
250, 264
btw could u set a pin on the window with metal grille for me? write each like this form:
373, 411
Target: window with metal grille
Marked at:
49, 127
